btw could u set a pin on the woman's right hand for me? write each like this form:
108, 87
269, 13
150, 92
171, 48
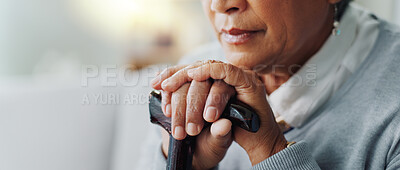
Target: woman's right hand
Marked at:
248, 87
188, 102
211, 145
212, 142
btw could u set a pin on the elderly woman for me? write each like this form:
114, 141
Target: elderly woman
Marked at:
323, 76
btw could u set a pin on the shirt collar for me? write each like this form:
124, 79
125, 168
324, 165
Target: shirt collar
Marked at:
312, 85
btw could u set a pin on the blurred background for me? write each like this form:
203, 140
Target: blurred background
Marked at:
63, 104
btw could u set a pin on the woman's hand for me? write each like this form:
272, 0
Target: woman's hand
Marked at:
189, 103
211, 144
186, 106
250, 90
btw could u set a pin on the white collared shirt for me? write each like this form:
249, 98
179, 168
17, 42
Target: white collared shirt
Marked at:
297, 99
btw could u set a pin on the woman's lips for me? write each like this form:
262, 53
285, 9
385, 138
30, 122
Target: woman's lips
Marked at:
237, 36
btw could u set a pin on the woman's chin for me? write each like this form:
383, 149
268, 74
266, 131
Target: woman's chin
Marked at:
245, 60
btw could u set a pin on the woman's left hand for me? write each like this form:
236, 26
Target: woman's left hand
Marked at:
249, 89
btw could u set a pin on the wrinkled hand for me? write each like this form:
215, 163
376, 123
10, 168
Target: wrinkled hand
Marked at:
186, 106
248, 88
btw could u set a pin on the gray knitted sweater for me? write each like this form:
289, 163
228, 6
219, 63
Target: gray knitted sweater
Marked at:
357, 128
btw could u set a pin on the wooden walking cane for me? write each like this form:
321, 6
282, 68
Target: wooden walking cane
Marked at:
180, 152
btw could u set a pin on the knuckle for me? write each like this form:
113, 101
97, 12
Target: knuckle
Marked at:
165, 70
178, 115
216, 98
219, 84
172, 70
179, 97
212, 61
194, 111
219, 99
221, 92
164, 101
168, 72
247, 84
229, 68
209, 61
195, 64
192, 103
255, 80
180, 76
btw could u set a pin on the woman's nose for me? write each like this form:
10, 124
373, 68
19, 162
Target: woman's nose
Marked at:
228, 6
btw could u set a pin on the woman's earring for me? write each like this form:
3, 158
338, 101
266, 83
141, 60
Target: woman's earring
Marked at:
336, 31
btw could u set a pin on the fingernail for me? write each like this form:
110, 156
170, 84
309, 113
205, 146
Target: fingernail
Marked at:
165, 83
168, 109
193, 129
179, 132
211, 114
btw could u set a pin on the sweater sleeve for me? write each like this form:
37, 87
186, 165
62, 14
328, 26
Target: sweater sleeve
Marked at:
297, 157
394, 154
394, 163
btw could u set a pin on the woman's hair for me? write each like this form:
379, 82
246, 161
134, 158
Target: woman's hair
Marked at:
342, 6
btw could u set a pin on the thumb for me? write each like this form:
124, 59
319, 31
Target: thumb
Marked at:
221, 137
211, 146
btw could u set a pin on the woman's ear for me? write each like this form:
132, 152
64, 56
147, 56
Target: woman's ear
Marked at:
334, 1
